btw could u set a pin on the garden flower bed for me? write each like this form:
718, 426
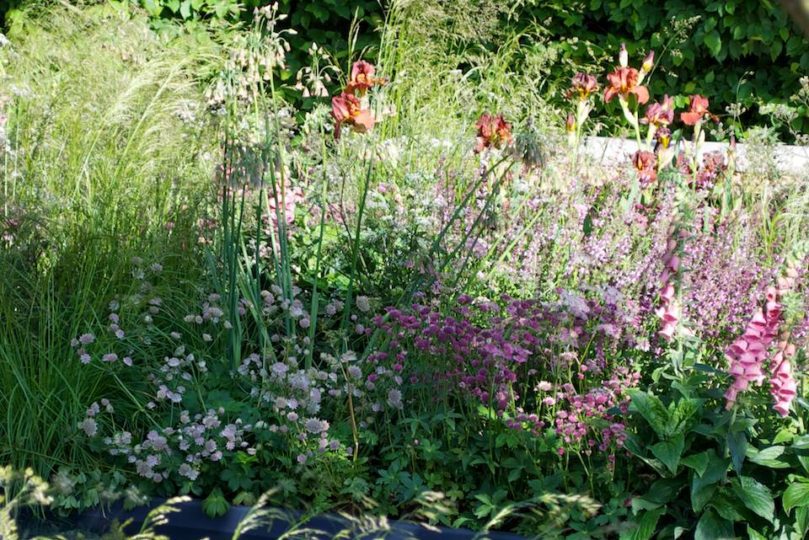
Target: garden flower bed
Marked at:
423, 305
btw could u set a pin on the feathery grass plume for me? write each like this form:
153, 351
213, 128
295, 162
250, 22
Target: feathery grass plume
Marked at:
107, 160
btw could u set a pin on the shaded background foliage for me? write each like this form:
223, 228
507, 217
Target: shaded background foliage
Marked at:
733, 51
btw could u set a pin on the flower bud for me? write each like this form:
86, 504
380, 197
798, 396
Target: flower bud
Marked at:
623, 56
570, 124
648, 62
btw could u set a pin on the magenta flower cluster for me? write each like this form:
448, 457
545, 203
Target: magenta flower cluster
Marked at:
503, 356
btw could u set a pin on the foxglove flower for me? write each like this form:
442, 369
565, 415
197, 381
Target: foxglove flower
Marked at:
748, 354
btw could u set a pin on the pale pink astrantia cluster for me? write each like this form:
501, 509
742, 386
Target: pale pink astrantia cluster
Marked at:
749, 353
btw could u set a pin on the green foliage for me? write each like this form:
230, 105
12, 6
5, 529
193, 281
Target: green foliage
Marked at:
738, 51
713, 465
327, 23
95, 182
378, 216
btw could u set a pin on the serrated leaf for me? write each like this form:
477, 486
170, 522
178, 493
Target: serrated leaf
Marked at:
796, 495
215, 504
669, 452
652, 410
755, 496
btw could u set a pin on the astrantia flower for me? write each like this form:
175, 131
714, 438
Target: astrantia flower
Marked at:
493, 131
623, 82
89, 427
363, 304
315, 426
395, 398
582, 86
347, 109
697, 110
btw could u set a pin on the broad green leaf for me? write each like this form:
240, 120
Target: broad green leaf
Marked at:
640, 503
755, 496
713, 527
185, 9
669, 452
646, 526
664, 490
785, 435
802, 521
697, 462
804, 461
752, 534
768, 457
737, 445
703, 487
714, 42
801, 443
796, 495
684, 411
727, 506
653, 411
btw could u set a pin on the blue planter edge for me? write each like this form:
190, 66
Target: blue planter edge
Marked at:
191, 523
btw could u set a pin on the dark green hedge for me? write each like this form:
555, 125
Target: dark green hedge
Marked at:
745, 51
